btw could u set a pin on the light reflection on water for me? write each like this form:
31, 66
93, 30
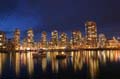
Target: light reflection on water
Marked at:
22, 65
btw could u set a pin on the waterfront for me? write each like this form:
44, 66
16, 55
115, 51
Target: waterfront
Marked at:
77, 65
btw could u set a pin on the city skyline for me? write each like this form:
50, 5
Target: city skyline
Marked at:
61, 28
63, 15
37, 37
38, 33
57, 40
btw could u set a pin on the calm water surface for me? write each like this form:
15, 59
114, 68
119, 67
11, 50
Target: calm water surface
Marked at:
77, 65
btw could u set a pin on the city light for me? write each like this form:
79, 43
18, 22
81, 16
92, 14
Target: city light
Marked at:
60, 41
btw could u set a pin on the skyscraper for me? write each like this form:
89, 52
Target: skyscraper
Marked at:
17, 39
2, 39
30, 36
44, 39
54, 39
63, 39
76, 38
91, 34
102, 41
30, 40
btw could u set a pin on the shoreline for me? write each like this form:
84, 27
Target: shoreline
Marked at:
65, 50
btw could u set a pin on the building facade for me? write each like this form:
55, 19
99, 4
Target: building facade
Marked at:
17, 39
54, 38
29, 40
91, 34
76, 39
102, 41
43, 41
63, 40
2, 39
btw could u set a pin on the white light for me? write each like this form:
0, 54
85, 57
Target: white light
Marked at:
3, 46
1, 35
28, 48
21, 48
0, 44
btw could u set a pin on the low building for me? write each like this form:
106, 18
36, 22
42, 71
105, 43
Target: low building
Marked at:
113, 43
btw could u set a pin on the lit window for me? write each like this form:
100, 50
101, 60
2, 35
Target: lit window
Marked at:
0, 44
1, 35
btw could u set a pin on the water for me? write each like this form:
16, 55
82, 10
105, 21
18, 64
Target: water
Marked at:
78, 65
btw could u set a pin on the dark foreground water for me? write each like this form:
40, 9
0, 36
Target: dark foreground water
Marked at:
77, 65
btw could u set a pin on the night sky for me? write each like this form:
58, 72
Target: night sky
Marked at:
62, 15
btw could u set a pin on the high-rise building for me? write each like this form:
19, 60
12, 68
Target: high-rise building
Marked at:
76, 38
24, 43
63, 39
2, 39
102, 41
10, 45
54, 38
17, 39
30, 36
44, 39
30, 40
91, 34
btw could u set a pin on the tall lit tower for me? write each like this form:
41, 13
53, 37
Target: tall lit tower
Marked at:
91, 34
54, 39
44, 39
30, 36
63, 39
102, 41
17, 39
30, 40
76, 38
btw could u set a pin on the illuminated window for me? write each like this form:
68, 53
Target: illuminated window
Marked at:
0, 44
1, 35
